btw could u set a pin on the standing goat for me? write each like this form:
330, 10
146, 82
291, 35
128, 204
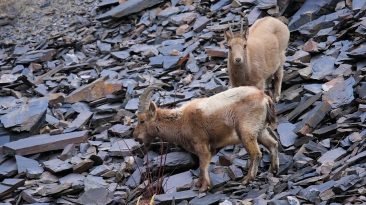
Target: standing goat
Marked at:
237, 115
258, 54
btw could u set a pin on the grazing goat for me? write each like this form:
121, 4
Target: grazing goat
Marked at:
258, 54
237, 115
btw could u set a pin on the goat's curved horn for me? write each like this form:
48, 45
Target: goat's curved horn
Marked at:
231, 29
244, 22
144, 99
241, 27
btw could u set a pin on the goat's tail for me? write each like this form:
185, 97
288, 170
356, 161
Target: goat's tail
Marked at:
271, 113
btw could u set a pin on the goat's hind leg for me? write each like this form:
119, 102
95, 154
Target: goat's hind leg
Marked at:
277, 82
249, 140
272, 145
204, 156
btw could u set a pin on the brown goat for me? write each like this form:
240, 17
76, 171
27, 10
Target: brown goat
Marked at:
255, 56
237, 115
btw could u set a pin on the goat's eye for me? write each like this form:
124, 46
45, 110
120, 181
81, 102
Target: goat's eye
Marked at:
245, 45
229, 47
142, 122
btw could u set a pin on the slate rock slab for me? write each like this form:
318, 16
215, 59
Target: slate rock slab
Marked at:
178, 196
83, 166
339, 91
44, 143
322, 66
128, 7
331, 155
8, 185
324, 23
192, 64
123, 55
120, 130
173, 182
200, 23
28, 117
93, 182
52, 189
57, 166
174, 160
134, 180
8, 168
29, 166
170, 61
97, 196
287, 135
124, 147
94, 91
36, 56
184, 18
76, 180
358, 5
359, 52
218, 5
156, 61
169, 11
208, 199
310, 10
266, 4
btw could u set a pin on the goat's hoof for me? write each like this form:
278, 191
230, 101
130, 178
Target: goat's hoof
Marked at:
276, 99
246, 180
198, 183
203, 189
274, 170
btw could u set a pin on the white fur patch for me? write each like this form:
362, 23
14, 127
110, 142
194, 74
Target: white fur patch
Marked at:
225, 99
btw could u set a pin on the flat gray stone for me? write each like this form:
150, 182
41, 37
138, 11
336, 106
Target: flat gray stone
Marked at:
57, 166
96, 196
28, 117
124, 147
93, 182
287, 135
173, 182
178, 196
332, 155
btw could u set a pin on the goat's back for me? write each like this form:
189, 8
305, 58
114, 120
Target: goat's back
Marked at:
264, 27
227, 99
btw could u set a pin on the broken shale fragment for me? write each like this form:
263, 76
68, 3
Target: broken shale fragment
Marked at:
44, 143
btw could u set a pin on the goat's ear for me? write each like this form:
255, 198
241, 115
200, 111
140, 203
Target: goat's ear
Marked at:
228, 35
152, 110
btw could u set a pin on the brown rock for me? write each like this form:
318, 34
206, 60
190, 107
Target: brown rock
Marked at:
94, 91
182, 29
311, 46
216, 52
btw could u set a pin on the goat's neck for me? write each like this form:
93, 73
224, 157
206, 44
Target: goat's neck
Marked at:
168, 125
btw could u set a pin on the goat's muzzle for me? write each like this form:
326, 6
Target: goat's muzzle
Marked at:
238, 61
139, 140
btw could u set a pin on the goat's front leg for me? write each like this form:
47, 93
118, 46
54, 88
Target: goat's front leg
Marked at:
249, 139
277, 83
272, 145
261, 84
204, 155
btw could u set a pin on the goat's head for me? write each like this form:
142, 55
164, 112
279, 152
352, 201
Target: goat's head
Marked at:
146, 115
237, 43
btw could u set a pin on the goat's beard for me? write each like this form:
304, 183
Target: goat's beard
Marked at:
147, 142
